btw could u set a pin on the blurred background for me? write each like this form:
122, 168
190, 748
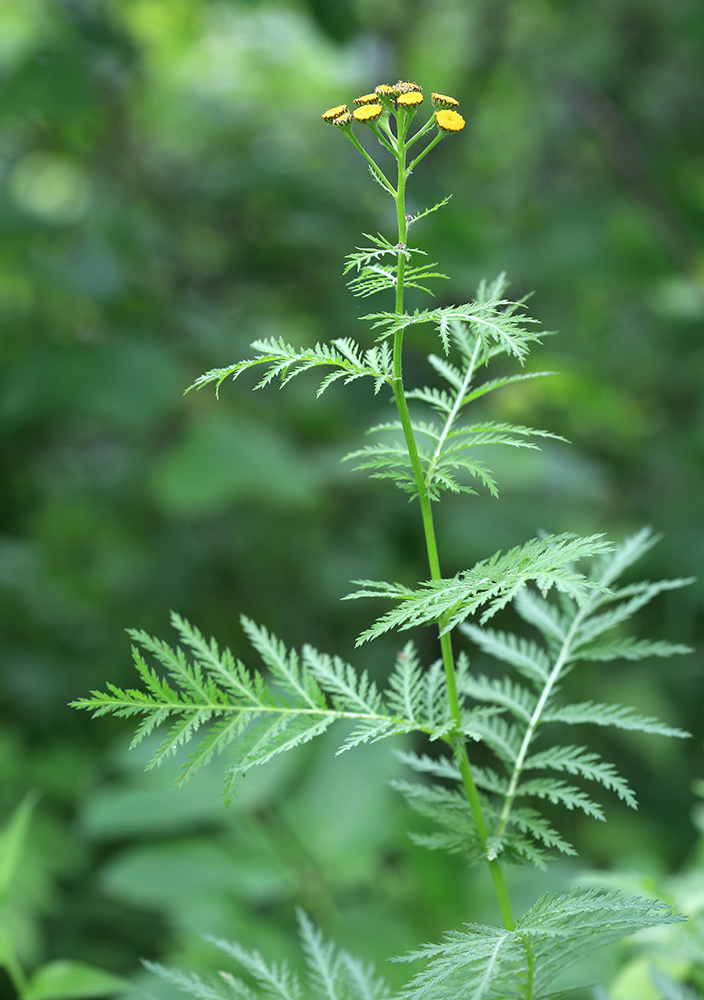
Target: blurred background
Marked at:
168, 193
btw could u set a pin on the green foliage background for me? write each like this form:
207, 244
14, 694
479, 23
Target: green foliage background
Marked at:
168, 194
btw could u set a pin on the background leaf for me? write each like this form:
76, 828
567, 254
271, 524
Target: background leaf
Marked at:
168, 195
72, 981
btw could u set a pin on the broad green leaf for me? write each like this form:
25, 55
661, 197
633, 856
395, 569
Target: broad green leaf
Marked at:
62, 980
13, 837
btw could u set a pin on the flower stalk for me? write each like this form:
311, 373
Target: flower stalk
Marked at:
401, 104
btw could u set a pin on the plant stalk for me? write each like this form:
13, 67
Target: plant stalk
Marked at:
458, 743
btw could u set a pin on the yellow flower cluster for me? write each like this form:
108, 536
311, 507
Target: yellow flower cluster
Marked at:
403, 94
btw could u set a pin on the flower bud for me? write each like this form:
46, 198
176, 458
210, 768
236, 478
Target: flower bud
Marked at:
443, 101
333, 113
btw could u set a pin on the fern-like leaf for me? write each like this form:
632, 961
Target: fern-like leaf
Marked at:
569, 625
447, 808
285, 362
631, 599
578, 760
493, 322
527, 657
618, 716
275, 980
490, 585
427, 211
672, 989
482, 961
374, 275
526, 828
502, 692
537, 611
224, 988
381, 248
331, 974
491, 385
258, 717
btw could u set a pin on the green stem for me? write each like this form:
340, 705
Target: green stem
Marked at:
458, 743
435, 141
421, 132
376, 170
386, 138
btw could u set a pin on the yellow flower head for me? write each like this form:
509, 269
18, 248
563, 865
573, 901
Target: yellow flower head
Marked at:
342, 121
406, 87
443, 101
449, 121
384, 90
333, 113
411, 99
367, 113
367, 99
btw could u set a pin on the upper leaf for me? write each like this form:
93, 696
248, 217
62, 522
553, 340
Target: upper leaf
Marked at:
375, 274
494, 322
283, 361
489, 585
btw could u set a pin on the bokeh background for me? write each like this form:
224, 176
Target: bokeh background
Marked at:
168, 193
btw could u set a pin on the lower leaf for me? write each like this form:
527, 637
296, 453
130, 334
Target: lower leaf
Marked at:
521, 963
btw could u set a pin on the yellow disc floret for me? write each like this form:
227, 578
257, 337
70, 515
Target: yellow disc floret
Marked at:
385, 90
449, 121
342, 121
333, 113
367, 113
411, 99
367, 99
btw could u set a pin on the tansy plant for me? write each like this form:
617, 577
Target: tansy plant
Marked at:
566, 589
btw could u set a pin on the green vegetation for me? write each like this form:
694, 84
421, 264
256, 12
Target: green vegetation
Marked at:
169, 197
490, 818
